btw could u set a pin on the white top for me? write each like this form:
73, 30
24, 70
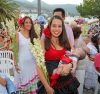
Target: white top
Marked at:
2, 88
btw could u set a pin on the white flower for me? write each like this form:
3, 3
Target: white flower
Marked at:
11, 27
38, 53
84, 29
37, 29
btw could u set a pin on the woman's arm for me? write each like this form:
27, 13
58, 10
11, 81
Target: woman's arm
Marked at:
40, 73
49, 90
72, 47
15, 61
65, 69
42, 77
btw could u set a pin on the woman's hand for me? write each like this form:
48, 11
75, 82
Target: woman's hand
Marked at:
49, 90
17, 69
73, 71
66, 68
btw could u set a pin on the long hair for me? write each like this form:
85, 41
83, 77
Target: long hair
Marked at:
63, 39
32, 33
94, 39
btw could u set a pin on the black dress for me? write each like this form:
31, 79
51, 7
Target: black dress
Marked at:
65, 84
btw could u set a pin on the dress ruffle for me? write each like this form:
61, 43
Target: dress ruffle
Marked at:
71, 88
28, 85
65, 84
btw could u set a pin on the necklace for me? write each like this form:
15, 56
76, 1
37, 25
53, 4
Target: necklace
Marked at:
55, 42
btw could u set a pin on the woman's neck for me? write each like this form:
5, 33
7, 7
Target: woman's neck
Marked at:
24, 30
54, 39
25, 33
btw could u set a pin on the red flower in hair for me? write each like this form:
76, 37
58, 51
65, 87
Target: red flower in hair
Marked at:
47, 32
20, 21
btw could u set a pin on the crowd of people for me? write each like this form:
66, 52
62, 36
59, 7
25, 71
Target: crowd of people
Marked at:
69, 58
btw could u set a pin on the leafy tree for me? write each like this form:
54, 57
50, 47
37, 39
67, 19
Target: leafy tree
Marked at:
8, 9
89, 8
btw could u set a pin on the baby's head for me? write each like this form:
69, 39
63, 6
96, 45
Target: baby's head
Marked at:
86, 40
80, 53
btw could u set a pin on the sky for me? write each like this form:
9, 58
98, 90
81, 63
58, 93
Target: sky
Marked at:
61, 1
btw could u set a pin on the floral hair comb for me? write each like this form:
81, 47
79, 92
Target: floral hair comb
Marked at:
46, 32
20, 21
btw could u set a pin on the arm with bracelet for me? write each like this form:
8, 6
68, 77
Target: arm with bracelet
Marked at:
15, 61
56, 72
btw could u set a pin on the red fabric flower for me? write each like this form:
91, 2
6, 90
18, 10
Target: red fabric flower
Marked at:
20, 21
47, 32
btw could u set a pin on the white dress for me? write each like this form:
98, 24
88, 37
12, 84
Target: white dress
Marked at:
26, 82
90, 75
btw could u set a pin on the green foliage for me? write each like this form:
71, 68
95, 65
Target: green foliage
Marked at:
89, 8
8, 9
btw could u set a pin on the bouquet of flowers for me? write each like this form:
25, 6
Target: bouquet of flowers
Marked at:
84, 28
37, 51
37, 29
11, 27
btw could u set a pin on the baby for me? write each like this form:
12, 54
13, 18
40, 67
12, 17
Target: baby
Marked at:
69, 57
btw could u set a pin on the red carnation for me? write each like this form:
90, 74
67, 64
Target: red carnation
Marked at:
20, 21
47, 32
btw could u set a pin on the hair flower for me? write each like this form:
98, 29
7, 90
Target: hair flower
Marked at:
20, 21
47, 32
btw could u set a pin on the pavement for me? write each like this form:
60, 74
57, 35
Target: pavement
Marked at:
90, 91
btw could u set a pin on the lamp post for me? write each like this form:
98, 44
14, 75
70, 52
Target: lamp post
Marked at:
30, 12
39, 7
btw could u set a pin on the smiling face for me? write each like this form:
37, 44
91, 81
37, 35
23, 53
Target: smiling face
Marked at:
27, 24
56, 27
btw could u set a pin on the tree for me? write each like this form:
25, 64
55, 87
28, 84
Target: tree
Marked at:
8, 9
89, 8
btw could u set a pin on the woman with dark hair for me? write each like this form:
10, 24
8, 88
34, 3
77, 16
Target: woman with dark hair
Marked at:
54, 46
90, 75
26, 65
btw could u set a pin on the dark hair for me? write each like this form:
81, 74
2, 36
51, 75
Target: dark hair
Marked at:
94, 39
63, 39
32, 32
76, 32
59, 10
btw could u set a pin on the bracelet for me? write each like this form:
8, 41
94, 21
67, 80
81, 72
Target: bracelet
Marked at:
15, 64
71, 64
46, 87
